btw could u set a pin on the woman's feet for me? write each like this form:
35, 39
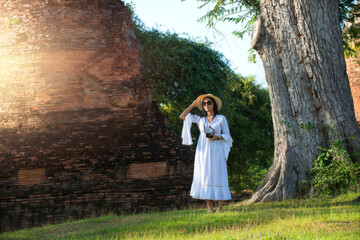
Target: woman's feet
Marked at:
217, 211
220, 205
209, 206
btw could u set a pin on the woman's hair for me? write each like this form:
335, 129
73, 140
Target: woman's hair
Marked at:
204, 113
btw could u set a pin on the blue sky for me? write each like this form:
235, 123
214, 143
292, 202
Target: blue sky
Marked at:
182, 18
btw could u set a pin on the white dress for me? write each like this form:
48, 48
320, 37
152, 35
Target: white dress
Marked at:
210, 180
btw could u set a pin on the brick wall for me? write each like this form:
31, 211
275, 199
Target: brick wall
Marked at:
353, 70
80, 135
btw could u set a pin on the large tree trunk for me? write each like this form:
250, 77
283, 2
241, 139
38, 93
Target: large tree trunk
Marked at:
299, 42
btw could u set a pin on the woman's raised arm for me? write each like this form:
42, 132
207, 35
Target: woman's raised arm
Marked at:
186, 112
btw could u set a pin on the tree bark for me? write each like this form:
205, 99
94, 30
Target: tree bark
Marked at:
299, 42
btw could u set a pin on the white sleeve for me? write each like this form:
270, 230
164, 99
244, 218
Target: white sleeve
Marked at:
194, 118
227, 140
185, 133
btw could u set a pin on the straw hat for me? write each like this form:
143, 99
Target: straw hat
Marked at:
200, 99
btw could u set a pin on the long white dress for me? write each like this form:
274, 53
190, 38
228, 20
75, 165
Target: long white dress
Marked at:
210, 180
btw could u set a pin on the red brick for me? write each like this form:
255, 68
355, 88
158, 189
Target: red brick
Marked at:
79, 131
353, 70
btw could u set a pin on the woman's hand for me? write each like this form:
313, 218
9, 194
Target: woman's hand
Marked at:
193, 104
214, 138
186, 112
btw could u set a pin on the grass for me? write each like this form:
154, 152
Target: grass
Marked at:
324, 218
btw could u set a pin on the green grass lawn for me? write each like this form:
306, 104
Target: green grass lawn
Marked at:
325, 218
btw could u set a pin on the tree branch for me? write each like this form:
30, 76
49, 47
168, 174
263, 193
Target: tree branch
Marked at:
247, 3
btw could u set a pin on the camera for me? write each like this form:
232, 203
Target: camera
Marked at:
209, 134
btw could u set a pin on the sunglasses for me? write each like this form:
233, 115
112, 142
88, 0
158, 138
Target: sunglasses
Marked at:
208, 103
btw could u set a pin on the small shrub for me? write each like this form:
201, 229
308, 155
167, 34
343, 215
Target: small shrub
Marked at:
334, 172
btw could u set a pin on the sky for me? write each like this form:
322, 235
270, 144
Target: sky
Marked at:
182, 18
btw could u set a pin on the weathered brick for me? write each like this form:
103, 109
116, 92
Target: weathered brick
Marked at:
353, 70
80, 134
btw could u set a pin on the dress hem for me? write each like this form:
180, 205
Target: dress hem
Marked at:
226, 199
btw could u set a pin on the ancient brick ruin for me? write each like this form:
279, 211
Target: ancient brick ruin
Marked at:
353, 70
80, 135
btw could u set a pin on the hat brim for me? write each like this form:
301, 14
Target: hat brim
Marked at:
200, 99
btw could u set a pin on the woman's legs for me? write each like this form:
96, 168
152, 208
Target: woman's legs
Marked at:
209, 205
220, 205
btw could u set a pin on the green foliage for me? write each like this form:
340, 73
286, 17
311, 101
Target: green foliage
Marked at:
252, 130
334, 172
349, 12
180, 69
246, 12
251, 56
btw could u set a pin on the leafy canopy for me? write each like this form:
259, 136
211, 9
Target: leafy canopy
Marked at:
247, 12
179, 70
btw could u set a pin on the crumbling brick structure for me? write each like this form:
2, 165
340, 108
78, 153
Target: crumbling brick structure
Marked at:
79, 132
353, 70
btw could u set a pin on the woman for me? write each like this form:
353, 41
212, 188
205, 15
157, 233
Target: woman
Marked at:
210, 180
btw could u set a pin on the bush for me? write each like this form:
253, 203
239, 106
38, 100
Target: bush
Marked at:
334, 172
